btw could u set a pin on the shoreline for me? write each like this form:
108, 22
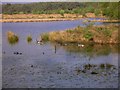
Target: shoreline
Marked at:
54, 19
34, 20
106, 21
50, 17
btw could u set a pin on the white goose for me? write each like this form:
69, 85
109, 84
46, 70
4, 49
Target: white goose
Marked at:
38, 42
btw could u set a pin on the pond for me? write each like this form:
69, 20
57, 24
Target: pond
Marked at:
30, 65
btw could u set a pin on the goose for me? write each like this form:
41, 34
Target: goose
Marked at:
38, 42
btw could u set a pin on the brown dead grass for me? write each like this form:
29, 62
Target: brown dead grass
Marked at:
96, 34
38, 16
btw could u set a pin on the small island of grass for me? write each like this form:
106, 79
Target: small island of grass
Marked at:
105, 34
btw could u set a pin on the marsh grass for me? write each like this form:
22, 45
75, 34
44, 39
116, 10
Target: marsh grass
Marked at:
45, 37
29, 38
88, 35
96, 34
12, 37
70, 31
106, 31
108, 66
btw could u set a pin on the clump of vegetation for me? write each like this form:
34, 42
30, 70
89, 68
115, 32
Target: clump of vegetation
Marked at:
105, 31
97, 12
70, 31
12, 37
88, 35
93, 34
102, 66
29, 38
62, 12
45, 37
108, 66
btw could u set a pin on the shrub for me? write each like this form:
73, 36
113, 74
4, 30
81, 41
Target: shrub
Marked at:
97, 12
62, 12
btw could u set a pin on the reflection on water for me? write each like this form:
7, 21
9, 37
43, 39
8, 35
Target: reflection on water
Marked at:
93, 49
102, 69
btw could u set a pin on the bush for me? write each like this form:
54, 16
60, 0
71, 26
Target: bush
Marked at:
62, 12
97, 12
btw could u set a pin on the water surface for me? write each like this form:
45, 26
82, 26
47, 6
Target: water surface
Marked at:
52, 65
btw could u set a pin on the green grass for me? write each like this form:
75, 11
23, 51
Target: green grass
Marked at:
29, 38
105, 31
45, 37
97, 34
70, 31
12, 38
108, 66
88, 35
102, 66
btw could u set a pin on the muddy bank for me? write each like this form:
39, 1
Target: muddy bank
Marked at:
106, 34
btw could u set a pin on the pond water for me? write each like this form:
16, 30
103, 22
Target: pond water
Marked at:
54, 66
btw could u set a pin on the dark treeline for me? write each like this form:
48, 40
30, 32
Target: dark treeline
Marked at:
109, 9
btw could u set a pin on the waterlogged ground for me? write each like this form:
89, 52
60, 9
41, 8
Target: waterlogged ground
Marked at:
30, 65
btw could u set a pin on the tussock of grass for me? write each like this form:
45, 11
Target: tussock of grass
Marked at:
29, 38
88, 35
12, 37
45, 37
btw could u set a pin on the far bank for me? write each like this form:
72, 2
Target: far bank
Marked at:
51, 17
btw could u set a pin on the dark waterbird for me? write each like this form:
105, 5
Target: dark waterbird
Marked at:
4, 52
17, 53
94, 72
